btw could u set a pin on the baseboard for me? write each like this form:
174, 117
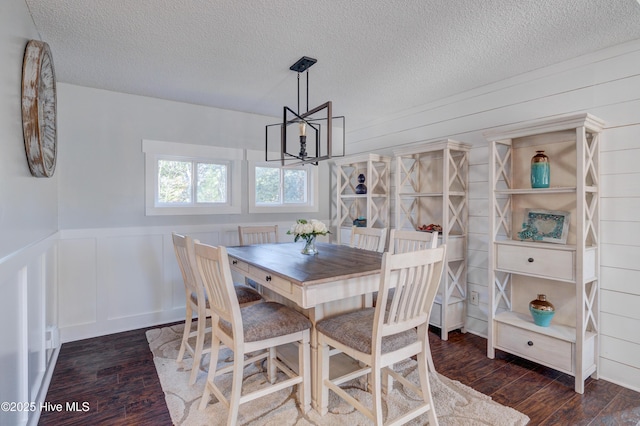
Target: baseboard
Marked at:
103, 328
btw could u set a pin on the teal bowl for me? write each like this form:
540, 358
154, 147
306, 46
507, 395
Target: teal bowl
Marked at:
541, 318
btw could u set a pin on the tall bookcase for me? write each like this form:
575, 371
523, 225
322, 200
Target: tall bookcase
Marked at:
431, 186
566, 272
373, 206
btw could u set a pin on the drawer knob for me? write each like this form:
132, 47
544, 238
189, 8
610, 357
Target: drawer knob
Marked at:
234, 262
268, 278
530, 260
530, 343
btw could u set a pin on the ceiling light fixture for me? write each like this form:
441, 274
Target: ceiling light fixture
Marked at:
318, 125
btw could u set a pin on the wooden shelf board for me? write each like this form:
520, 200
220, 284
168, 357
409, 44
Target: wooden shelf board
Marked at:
363, 195
558, 331
527, 191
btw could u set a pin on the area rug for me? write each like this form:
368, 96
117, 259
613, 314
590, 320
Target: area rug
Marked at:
455, 403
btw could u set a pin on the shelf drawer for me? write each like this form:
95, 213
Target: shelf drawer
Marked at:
555, 264
537, 347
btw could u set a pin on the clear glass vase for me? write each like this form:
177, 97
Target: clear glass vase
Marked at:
310, 246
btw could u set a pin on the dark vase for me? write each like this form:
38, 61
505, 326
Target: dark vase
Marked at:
540, 171
361, 188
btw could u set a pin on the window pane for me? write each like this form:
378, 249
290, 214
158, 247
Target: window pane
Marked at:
174, 181
212, 183
295, 186
267, 185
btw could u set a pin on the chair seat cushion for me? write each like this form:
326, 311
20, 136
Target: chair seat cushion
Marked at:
194, 299
267, 320
246, 294
355, 330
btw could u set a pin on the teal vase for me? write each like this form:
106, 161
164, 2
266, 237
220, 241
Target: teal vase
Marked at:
542, 311
540, 171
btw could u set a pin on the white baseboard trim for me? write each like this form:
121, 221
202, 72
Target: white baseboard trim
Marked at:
103, 328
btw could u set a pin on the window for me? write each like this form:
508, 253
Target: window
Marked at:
191, 179
276, 186
273, 188
191, 182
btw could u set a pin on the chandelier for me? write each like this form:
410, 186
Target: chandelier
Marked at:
305, 137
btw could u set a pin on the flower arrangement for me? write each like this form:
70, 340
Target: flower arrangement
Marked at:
308, 230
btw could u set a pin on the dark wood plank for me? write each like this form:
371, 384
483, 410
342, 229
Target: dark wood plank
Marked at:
115, 374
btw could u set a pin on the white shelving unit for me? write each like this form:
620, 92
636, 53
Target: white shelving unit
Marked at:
566, 273
431, 186
373, 206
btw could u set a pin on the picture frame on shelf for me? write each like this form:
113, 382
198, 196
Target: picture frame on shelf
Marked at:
551, 226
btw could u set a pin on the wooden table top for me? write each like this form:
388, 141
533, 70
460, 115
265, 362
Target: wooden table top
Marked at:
332, 262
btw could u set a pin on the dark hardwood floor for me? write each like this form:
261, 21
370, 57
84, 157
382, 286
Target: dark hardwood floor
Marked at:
115, 374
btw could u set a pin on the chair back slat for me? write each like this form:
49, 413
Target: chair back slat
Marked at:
373, 239
183, 248
215, 274
401, 241
258, 234
416, 277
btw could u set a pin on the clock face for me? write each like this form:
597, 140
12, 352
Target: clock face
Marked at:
39, 109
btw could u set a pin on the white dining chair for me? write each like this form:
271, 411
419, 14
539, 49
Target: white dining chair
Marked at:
373, 239
404, 241
197, 301
378, 338
257, 234
261, 234
248, 330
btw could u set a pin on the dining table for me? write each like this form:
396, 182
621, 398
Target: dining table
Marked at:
337, 279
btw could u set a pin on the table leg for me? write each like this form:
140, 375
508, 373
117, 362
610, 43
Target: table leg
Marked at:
315, 315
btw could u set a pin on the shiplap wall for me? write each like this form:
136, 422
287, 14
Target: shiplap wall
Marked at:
605, 84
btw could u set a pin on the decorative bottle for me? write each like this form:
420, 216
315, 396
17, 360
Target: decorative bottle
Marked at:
542, 310
540, 172
361, 188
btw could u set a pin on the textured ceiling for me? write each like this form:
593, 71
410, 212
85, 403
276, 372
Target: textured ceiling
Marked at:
375, 57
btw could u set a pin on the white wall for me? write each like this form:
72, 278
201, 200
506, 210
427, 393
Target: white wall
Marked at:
28, 229
605, 84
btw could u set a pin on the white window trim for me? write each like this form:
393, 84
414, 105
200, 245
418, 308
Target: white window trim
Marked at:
155, 150
256, 159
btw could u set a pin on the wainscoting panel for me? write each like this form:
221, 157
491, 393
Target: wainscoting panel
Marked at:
117, 279
13, 386
130, 275
77, 282
27, 353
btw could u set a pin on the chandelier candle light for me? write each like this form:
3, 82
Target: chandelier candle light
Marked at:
308, 230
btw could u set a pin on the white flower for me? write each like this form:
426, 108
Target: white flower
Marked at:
318, 227
307, 229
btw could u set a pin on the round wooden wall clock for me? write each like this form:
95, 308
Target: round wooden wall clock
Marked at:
39, 108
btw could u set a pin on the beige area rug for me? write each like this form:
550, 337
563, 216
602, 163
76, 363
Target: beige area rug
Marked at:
455, 403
